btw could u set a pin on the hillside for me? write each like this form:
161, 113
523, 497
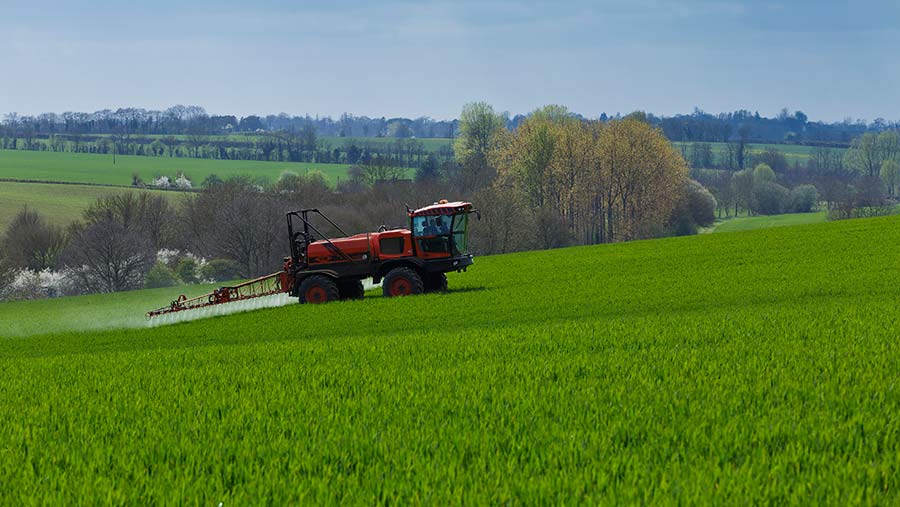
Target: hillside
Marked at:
90, 168
61, 204
81, 173
759, 365
746, 223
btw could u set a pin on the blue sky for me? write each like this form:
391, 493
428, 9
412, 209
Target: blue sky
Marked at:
403, 58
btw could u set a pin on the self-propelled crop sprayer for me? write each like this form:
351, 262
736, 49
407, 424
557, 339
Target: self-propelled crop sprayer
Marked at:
319, 270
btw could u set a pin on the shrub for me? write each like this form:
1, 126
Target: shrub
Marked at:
187, 269
701, 204
804, 198
162, 182
770, 198
182, 182
160, 275
220, 270
26, 285
695, 207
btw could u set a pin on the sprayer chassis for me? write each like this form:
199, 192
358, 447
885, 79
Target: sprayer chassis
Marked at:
411, 261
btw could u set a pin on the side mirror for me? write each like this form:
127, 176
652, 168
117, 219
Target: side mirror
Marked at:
478, 215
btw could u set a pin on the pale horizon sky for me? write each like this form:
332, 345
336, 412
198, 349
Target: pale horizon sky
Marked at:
830, 59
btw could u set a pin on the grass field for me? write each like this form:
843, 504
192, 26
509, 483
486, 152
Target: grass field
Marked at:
793, 153
756, 368
765, 221
88, 168
60, 204
429, 144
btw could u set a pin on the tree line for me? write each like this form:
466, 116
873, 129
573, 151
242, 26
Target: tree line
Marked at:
859, 181
698, 126
305, 146
194, 120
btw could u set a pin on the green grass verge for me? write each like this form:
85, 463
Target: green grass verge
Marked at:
761, 366
88, 168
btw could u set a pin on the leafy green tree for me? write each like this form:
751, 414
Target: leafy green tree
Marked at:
479, 127
700, 203
804, 198
762, 173
742, 182
770, 198
869, 151
890, 173
696, 207
640, 116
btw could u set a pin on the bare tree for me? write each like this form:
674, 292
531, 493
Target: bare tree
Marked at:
30, 242
109, 257
149, 214
380, 169
236, 220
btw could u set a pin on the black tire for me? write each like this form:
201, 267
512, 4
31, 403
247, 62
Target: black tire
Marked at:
318, 289
351, 289
436, 282
402, 282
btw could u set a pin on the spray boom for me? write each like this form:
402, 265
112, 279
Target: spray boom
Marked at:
269, 285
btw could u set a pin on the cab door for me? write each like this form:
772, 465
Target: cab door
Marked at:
432, 236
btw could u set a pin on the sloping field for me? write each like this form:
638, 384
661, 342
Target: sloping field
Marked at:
757, 368
88, 313
60, 204
766, 221
89, 168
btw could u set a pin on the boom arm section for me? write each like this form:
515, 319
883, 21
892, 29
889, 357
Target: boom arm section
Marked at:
276, 283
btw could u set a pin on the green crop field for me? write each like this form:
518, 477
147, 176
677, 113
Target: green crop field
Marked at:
760, 367
765, 221
88, 313
60, 204
88, 168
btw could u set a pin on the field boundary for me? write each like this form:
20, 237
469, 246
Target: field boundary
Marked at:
85, 184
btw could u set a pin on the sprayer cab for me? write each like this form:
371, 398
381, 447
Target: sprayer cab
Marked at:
441, 230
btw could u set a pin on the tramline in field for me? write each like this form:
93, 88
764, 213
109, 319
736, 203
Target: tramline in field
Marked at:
320, 270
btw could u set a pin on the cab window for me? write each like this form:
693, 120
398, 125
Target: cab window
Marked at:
439, 225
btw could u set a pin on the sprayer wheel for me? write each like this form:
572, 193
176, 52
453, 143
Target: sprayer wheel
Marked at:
351, 289
402, 282
436, 282
318, 289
